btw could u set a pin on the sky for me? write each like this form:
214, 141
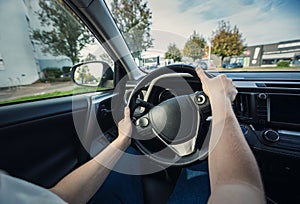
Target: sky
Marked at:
260, 21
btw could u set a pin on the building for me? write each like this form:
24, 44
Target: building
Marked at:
282, 51
268, 55
16, 47
153, 58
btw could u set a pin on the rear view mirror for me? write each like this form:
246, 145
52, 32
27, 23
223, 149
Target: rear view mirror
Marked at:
93, 74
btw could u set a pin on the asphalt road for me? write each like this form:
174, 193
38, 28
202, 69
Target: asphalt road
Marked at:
34, 89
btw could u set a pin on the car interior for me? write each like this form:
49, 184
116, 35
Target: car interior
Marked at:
40, 142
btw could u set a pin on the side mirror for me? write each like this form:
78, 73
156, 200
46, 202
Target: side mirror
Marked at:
93, 74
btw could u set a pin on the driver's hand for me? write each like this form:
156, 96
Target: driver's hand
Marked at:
218, 89
125, 126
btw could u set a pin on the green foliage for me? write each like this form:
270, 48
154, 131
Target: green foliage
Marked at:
91, 78
173, 53
227, 41
66, 69
90, 57
83, 74
106, 58
52, 73
61, 34
283, 64
194, 47
134, 20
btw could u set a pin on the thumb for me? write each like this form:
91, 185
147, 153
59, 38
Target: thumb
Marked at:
201, 74
126, 112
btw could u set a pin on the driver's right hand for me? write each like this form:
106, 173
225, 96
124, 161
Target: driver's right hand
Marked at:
218, 89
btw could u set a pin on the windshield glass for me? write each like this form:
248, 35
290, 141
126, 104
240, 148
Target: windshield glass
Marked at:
245, 35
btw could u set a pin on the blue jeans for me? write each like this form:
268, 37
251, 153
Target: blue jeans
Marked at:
192, 187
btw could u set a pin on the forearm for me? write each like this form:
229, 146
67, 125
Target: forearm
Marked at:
80, 185
233, 171
230, 159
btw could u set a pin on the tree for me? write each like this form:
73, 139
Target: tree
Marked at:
173, 53
134, 20
90, 57
106, 58
194, 47
62, 34
227, 41
83, 73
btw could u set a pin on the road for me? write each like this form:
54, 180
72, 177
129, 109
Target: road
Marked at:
34, 89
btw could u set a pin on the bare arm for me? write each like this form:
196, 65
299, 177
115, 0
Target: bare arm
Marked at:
234, 174
81, 184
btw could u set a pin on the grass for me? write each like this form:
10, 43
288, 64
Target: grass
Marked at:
54, 94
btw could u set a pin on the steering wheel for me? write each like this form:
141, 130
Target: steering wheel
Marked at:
173, 132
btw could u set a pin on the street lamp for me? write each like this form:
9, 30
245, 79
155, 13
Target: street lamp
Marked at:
209, 51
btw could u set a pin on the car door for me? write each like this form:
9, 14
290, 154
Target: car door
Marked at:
43, 115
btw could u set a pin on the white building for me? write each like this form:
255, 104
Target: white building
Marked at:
17, 51
153, 58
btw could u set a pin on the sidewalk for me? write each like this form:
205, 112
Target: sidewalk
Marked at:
34, 89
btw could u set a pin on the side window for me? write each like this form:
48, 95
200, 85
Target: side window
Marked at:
40, 40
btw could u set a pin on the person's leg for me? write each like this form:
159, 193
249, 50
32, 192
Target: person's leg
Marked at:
192, 185
120, 188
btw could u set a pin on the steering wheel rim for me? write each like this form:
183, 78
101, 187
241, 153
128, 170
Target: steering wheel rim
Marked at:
193, 106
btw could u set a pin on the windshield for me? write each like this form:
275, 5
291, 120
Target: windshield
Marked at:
246, 35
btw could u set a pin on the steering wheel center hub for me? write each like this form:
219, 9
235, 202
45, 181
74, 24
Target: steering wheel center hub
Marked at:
176, 120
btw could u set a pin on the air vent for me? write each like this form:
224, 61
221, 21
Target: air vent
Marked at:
242, 105
279, 85
261, 105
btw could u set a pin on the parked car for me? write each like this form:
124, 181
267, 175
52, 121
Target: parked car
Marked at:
234, 65
295, 63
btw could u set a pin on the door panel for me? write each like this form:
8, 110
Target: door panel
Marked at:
38, 140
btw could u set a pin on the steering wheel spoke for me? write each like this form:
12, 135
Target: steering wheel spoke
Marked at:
202, 101
182, 149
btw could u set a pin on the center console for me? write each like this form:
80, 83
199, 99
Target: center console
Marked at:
269, 109
274, 117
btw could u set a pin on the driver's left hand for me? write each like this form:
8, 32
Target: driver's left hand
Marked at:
125, 126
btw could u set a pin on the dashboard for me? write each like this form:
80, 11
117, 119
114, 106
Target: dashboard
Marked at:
269, 107
264, 105
268, 110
